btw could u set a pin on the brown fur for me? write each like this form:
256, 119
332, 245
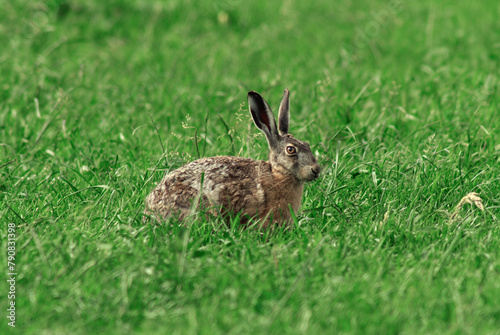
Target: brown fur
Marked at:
232, 185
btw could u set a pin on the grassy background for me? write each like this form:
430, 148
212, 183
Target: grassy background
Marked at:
399, 101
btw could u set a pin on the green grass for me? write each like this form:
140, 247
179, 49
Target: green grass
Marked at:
99, 98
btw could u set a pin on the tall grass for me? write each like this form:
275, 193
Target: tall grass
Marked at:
399, 101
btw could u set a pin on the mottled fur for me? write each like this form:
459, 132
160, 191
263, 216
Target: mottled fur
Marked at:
256, 189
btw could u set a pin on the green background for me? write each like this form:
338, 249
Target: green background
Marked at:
398, 100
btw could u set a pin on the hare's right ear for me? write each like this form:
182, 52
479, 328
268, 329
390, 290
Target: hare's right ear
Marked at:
263, 117
284, 113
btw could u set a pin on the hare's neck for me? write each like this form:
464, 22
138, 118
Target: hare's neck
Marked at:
288, 191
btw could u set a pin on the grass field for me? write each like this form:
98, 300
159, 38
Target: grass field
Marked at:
398, 99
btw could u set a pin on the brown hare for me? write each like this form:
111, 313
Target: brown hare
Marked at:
236, 185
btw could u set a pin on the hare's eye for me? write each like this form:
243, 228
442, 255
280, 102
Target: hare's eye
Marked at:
291, 150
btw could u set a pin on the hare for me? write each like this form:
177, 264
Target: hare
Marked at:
264, 190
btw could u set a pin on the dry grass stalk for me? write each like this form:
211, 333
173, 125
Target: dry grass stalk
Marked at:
471, 199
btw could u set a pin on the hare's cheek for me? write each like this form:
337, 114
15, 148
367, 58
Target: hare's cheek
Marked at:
304, 175
290, 163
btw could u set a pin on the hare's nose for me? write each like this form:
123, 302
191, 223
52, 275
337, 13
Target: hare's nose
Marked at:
316, 169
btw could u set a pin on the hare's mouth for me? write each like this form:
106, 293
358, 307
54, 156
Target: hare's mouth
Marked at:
313, 177
313, 173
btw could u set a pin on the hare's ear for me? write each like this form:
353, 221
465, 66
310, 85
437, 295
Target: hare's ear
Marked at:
263, 117
284, 114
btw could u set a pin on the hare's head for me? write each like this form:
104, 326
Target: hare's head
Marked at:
287, 154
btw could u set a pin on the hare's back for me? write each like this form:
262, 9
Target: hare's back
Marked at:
226, 180
216, 170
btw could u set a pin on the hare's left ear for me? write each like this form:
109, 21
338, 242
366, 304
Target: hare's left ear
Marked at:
284, 114
263, 118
